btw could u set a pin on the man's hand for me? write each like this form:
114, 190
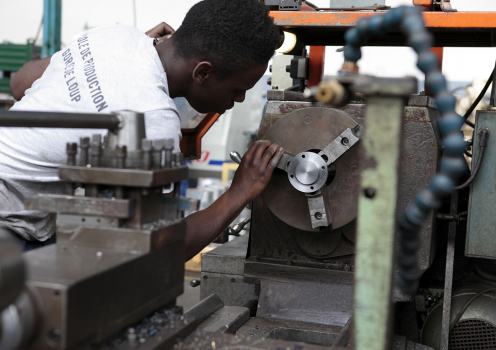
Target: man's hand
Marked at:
256, 169
250, 180
163, 31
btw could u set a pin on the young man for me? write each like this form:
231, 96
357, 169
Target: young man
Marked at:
220, 51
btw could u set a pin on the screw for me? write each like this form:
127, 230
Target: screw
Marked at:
54, 335
369, 192
318, 215
345, 141
146, 148
71, 153
194, 283
84, 144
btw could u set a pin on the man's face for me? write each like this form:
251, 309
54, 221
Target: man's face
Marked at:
218, 94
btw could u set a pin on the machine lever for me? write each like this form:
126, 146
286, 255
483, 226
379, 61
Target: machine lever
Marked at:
235, 157
284, 162
236, 228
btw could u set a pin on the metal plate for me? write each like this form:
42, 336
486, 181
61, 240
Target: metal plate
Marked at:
307, 172
313, 129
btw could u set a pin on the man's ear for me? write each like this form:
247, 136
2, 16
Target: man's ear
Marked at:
202, 72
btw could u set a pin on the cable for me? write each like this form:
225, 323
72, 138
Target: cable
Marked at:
467, 304
483, 135
479, 98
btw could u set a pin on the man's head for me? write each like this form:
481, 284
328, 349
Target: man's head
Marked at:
232, 41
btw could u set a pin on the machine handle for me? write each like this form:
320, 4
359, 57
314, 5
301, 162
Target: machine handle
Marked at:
236, 228
235, 157
59, 120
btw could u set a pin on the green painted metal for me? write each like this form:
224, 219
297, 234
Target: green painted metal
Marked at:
481, 223
377, 222
5, 85
12, 57
52, 16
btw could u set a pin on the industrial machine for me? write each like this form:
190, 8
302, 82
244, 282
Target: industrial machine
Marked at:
352, 243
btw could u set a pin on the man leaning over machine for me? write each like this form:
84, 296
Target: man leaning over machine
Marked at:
220, 51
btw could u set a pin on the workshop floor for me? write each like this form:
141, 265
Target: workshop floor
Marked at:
191, 296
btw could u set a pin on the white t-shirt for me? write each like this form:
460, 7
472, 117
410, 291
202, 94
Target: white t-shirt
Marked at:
107, 69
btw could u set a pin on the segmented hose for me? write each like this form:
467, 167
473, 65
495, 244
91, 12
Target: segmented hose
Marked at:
410, 21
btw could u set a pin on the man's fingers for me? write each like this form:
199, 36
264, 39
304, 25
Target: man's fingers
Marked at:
268, 154
261, 147
160, 30
275, 159
251, 151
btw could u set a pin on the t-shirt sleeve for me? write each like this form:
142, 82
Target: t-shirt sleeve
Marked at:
163, 124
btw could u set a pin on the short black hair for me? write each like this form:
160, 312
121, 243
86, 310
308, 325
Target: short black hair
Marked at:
231, 34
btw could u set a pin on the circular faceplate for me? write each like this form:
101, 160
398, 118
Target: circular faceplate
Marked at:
307, 172
313, 129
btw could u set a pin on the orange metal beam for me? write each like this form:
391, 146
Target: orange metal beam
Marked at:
460, 20
191, 141
316, 62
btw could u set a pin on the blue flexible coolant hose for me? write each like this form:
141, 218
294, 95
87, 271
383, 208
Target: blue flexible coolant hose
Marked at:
410, 21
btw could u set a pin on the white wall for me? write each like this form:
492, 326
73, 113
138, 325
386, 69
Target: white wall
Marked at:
19, 20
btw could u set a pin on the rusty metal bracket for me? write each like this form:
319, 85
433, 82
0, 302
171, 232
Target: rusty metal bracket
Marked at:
191, 140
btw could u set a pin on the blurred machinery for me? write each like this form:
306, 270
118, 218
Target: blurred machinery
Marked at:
361, 238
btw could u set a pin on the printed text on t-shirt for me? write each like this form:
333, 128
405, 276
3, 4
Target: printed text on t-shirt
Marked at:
69, 77
90, 73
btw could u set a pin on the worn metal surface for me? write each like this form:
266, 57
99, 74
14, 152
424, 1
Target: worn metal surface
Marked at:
296, 293
481, 218
81, 288
210, 340
341, 144
319, 210
376, 228
228, 258
205, 308
227, 319
222, 273
116, 208
136, 240
274, 239
297, 132
123, 177
448, 277
270, 328
231, 288
173, 329
344, 336
421, 146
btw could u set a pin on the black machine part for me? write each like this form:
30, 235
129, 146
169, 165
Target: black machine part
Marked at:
472, 320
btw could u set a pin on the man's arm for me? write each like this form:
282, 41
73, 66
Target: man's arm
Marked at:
250, 180
27, 75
